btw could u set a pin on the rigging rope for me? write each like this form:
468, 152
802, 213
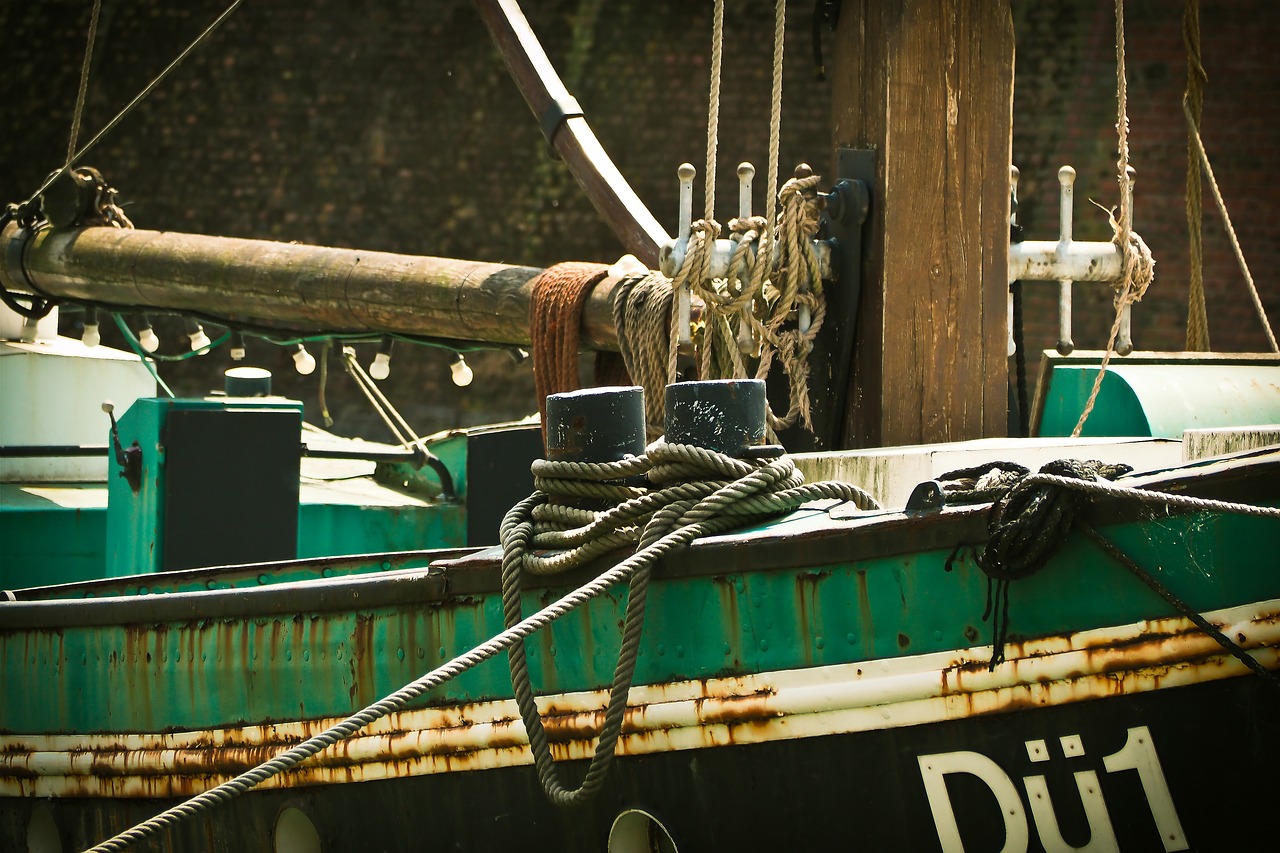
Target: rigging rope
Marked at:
713, 108
136, 100
1231, 234
84, 82
1137, 266
1197, 318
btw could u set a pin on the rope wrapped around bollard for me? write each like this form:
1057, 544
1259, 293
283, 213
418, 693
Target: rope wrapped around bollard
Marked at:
690, 492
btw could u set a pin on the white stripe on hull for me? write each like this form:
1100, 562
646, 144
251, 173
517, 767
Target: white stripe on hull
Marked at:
798, 703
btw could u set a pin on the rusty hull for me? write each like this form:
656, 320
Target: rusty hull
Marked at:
695, 714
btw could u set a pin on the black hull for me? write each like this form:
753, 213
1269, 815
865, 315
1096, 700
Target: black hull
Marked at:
1218, 745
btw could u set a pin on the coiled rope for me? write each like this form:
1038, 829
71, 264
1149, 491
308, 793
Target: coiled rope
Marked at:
691, 492
1033, 513
558, 296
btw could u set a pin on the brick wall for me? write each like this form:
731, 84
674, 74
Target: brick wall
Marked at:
392, 126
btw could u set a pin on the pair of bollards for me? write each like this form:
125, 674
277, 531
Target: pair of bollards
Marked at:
607, 424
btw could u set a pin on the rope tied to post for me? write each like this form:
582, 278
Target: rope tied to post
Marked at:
1137, 267
558, 296
688, 492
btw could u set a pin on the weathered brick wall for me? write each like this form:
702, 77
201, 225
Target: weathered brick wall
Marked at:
392, 125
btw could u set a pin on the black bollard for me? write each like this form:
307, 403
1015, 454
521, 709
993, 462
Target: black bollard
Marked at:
247, 382
595, 424
724, 415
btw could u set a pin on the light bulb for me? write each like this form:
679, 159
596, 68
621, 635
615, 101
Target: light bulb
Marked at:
303, 362
91, 336
461, 373
238, 351
147, 337
381, 367
200, 342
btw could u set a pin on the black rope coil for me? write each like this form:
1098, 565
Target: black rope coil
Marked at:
1027, 524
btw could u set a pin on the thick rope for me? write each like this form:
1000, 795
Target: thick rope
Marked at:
1197, 318
1231, 234
555, 320
775, 106
396, 701
642, 309
693, 492
1137, 266
1033, 513
78, 111
713, 108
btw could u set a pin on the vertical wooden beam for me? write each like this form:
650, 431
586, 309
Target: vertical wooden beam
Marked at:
928, 84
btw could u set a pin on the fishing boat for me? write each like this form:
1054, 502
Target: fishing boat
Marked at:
741, 610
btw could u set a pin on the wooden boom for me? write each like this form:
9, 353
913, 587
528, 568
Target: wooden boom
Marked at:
287, 285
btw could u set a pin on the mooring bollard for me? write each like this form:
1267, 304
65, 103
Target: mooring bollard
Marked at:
595, 424
726, 415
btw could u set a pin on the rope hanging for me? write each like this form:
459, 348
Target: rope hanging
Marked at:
1137, 267
555, 320
643, 307
1235, 242
773, 273
1197, 318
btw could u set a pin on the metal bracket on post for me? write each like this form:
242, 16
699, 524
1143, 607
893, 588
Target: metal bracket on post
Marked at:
831, 359
1067, 261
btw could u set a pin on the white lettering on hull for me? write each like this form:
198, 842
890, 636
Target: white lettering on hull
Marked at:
1138, 753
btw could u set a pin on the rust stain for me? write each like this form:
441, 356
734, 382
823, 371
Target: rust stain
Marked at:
864, 611
810, 614
361, 661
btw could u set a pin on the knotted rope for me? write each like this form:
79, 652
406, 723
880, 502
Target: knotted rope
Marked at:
1137, 267
688, 492
1032, 515
1027, 524
555, 320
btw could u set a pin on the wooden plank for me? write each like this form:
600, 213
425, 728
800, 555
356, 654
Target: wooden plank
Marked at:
929, 85
287, 285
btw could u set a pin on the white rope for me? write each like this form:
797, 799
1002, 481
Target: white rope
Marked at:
1100, 487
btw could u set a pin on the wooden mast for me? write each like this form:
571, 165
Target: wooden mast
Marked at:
928, 84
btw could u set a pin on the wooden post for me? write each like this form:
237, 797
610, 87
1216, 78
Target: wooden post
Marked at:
928, 84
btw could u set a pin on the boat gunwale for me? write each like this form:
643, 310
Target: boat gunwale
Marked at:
862, 537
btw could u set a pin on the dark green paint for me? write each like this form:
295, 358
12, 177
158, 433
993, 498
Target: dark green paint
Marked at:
222, 672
